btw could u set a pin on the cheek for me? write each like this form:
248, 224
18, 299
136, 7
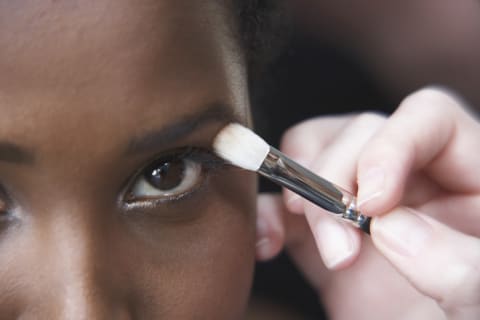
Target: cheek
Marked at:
147, 263
202, 266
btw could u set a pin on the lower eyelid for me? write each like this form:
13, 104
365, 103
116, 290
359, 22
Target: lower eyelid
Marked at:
155, 203
133, 201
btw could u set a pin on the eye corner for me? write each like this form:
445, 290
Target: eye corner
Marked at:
8, 210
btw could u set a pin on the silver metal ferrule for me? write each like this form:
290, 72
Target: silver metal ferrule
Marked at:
278, 168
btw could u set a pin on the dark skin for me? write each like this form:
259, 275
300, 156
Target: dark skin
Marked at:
90, 95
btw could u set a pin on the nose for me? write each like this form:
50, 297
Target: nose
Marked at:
78, 278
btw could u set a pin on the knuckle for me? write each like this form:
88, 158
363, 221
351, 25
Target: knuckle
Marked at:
315, 130
436, 98
293, 136
387, 150
368, 120
300, 140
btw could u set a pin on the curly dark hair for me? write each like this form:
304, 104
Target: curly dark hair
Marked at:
261, 26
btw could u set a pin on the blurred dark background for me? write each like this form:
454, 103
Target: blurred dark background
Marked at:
308, 80
341, 61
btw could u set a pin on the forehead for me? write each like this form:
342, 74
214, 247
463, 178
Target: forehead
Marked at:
114, 62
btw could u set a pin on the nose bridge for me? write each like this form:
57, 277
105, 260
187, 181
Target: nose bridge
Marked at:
75, 264
85, 287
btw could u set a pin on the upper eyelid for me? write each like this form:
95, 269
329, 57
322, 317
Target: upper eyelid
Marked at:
198, 154
205, 157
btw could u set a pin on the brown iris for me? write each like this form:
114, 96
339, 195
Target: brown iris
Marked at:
168, 178
166, 174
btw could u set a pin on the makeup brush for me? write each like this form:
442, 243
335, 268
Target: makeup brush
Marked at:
243, 148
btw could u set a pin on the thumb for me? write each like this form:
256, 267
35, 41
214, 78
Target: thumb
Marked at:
440, 262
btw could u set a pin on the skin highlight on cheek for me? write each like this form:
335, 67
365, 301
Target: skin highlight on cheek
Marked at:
205, 251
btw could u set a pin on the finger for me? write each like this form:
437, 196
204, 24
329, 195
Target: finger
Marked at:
270, 226
420, 189
339, 243
294, 234
429, 130
304, 142
440, 262
446, 209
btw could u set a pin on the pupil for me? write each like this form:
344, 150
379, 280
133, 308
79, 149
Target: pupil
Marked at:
166, 175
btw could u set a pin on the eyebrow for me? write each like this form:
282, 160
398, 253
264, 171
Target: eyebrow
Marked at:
159, 138
13, 153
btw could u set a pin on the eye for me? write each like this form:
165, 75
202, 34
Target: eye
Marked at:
6, 210
166, 179
3, 209
170, 177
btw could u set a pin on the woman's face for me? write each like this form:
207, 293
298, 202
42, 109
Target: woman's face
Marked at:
112, 205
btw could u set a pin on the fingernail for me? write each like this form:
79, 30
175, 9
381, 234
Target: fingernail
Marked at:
294, 203
402, 231
371, 185
263, 247
334, 242
263, 243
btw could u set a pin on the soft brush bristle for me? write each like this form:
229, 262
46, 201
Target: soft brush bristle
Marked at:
241, 147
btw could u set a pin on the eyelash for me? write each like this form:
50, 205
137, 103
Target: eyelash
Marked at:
205, 158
